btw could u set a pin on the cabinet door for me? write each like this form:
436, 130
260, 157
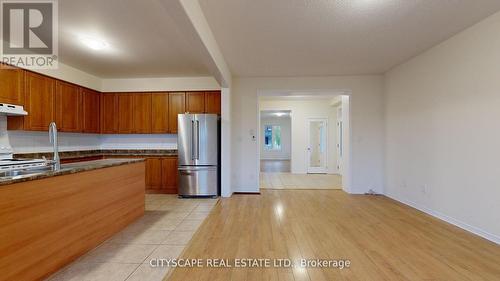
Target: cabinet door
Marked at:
91, 104
212, 102
11, 85
169, 176
109, 111
195, 102
159, 113
142, 113
153, 173
39, 102
125, 114
176, 105
68, 107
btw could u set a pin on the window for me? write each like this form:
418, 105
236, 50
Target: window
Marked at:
272, 137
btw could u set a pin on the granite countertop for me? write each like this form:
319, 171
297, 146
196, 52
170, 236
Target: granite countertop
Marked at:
103, 152
71, 168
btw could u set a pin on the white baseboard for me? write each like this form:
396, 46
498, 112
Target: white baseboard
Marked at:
475, 230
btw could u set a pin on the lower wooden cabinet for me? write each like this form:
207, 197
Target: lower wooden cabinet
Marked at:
161, 175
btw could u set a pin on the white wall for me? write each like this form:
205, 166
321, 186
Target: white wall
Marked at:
443, 134
302, 110
159, 84
286, 138
367, 131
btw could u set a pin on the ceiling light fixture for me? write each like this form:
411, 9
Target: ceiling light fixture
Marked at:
279, 114
93, 43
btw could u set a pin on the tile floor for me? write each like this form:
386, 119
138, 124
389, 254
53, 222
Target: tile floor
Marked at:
299, 181
163, 232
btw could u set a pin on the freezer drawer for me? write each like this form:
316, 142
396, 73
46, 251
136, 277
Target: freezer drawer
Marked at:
198, 181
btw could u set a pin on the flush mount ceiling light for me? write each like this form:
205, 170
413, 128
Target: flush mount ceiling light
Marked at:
279, 114
94, 44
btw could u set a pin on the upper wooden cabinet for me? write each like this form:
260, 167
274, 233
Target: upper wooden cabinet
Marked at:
141, 113
109, 113
176, 105
195, 102
159, 113
39, 102
68, 107
11, 85
91, 104
213, 102
125, 114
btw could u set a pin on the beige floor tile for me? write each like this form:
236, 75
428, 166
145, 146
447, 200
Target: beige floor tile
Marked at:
178, 237
95, 272
149, 236
197, 215
118, 253
165, 252
147, 273
189, 225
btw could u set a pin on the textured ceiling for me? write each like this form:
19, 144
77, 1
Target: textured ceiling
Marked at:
144, 39
328, 37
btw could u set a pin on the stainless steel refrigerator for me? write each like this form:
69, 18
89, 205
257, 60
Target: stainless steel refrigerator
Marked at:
198, 148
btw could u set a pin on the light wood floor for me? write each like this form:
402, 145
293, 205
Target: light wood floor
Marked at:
300, 181
384, 240
275, 166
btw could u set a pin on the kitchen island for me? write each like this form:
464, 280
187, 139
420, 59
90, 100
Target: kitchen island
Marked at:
51, 218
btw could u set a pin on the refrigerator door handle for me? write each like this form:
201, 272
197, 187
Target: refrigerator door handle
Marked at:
197, 140
193, 157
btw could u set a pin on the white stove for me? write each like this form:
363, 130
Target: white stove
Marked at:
8, 163
21, 164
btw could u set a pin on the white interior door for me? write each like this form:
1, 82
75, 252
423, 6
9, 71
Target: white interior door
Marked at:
340, 137
317, 152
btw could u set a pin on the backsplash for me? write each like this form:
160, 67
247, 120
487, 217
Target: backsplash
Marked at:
154, 141
30, 142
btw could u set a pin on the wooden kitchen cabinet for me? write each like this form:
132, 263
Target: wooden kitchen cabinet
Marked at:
141, 113
39, 102
161, 175
125, 114
11, 85
176, 105
153, 173
91, 104
169, 175
109, 113
159, 113
213, 102
195, 102
68, 107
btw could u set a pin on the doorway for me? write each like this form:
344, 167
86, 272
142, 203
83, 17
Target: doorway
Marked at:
314, 160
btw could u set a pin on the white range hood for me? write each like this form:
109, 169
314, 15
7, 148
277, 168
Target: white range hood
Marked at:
12, 110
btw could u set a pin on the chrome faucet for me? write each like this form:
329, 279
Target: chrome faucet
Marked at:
53, 141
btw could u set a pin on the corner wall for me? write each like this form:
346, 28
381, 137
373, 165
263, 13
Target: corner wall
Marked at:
443, 132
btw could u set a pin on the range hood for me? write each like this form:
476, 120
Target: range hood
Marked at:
12, 110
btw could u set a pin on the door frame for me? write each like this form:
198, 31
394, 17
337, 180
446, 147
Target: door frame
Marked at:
324, 168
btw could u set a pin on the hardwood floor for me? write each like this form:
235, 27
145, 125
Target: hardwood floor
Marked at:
299, 181
275, 166
383, 239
